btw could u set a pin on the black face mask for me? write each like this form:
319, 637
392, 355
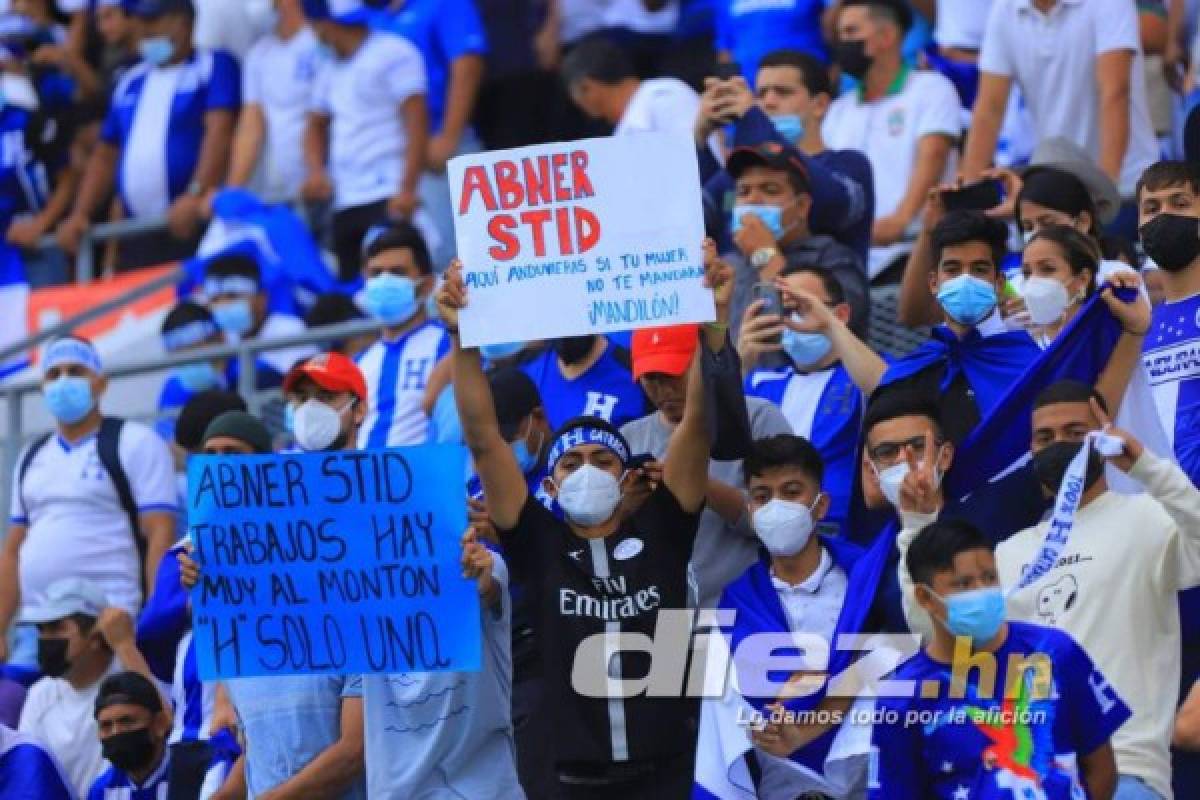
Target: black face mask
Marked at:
852, 57
129, 751
1051, 462
573, 349
1172, 240
52, 657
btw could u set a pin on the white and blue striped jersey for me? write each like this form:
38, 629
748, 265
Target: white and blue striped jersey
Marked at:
156, 121
193, 698
114, 784
397, 373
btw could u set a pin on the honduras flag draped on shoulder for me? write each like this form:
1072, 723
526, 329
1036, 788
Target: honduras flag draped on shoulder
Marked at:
293, 272
1002, 438
828, 764
1080, 352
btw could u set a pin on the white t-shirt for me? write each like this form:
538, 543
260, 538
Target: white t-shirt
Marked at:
279, 76
233, 25
960, 23
77, 528
61, 718
660, 104
1114, 589
363, 94
278, 325
1052, 58
888, 131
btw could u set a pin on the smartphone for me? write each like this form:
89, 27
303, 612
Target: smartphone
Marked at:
640, 460
772, 300
728, 71
974, 197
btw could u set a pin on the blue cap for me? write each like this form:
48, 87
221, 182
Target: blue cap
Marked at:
150, 9
346, 12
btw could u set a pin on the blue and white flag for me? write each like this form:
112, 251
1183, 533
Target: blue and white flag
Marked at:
1080, 352
293, 272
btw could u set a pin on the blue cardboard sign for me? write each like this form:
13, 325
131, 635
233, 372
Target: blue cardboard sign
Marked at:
342, 563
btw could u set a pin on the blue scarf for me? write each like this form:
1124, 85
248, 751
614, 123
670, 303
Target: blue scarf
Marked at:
991, 364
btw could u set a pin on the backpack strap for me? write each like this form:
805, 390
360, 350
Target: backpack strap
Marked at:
108, 442
27, 460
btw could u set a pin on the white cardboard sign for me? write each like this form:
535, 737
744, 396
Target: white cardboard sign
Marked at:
580, 237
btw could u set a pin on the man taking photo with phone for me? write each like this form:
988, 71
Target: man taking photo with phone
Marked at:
771, 230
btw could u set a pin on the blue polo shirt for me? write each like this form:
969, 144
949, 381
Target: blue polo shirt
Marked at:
749, 29
443, 30
156, 120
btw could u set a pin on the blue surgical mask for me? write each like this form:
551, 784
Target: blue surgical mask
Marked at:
392, 299
69, 398
967, 299
805, 349
771, 216
790, 126
156, 50
198, 377
978, 613
525, 459
235, 317
503, 350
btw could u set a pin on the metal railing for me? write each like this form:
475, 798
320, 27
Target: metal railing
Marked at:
246, 352
85, 259
95, 312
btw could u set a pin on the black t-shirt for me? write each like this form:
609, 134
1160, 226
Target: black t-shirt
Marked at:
580, 587
956, 405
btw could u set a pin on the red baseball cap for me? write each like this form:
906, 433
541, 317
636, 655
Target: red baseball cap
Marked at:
332, 371
668, 350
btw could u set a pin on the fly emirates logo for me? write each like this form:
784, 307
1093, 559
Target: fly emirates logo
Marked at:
612, 601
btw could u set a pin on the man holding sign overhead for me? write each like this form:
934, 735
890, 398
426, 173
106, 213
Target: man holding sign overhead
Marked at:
599, 572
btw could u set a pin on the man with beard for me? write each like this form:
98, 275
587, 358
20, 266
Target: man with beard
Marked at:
586, 376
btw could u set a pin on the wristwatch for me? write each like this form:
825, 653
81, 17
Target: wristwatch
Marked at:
762, 256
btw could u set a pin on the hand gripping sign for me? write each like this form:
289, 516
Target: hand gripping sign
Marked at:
580, 237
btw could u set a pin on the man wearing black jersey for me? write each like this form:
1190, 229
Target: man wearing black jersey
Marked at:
600, 571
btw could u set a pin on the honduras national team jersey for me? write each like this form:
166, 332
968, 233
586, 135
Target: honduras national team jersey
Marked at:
114, 784
157, 122
986, 747
824, 407
1172, 360
397, 373
606, 390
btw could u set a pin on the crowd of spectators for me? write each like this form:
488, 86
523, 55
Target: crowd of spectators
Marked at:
1020, 171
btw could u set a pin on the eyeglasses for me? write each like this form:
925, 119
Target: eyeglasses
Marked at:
890, 452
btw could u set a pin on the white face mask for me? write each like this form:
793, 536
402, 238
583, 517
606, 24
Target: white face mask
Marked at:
784, 527
892, 478
589, 495
317, 426
1046, 299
